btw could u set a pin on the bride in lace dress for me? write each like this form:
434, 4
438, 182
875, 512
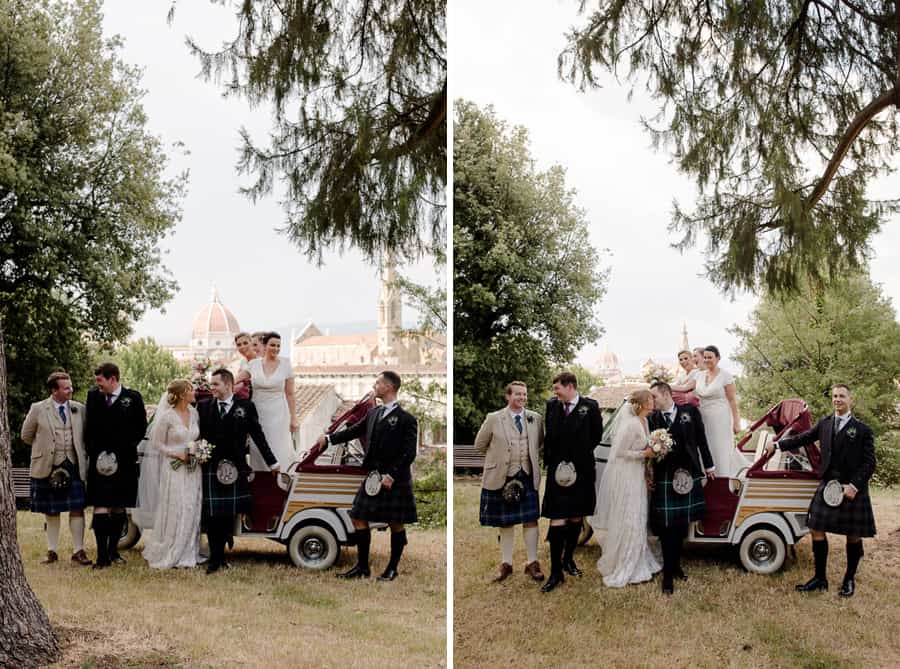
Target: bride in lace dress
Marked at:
175, 501
622, 505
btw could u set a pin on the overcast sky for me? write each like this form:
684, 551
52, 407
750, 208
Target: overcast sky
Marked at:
223, 238
504, 54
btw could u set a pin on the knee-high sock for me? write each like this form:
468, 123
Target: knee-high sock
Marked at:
398, 541
530, 535
556, 536
52, 533
820, 555
100, 525
573, 533
363, 542
76, 527
854, 554
507, 539
671, 539
116, 525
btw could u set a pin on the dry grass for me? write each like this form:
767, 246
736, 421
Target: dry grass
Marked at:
721, 617
263, 612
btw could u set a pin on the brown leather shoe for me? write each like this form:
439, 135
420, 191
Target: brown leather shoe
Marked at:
504, 571
533, 569
81, 558
51, 558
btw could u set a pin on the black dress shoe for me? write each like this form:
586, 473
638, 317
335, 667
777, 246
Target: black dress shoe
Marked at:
812, 585
572, 569
356, 572
679, 574
388, 574
100, 565
213, 567
668, 587
555, 579
848, 587
117, 559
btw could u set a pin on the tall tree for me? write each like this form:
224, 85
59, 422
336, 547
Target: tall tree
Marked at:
526, 277
84, 198
148, 368
358, 90
781, 111
84, 203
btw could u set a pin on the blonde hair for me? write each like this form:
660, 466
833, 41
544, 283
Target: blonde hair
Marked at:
176, 390
638, 398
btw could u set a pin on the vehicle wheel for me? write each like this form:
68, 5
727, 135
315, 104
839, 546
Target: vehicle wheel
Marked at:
762, 551
131, 534
313, 547
587, 531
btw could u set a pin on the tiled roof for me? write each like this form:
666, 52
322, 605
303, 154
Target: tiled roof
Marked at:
304, 370
370, 339
308, 396
610, 397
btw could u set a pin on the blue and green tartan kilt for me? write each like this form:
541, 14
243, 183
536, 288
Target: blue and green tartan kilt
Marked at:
853, 518
669, 509
397, 505
45, 499
497, 512
225, 500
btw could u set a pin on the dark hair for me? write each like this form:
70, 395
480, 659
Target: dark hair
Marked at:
226, 375
239, 335
108, 370
510, 385
713, 350
566, 379
662, 385
393, 378
844, 386
270, 335
54, 379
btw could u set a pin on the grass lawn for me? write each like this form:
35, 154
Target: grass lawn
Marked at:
263, 612
721, 617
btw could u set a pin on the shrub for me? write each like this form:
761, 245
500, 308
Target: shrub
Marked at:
431, 492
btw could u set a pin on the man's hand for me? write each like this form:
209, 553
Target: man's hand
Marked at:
275, 469
387, 481
711, 474
849, 492
771, 448
322, 441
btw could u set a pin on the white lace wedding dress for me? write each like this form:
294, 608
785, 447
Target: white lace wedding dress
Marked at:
274, 416
174, 540
622, 508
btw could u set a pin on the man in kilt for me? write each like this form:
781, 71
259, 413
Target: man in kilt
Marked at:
115, 425
672, 508
511, 439
390, 436
226, 422
848, 456
574, 428
54, 428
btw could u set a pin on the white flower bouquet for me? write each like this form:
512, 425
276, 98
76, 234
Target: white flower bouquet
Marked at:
198, 452
660, 443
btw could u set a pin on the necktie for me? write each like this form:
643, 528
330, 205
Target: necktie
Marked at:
519, 424
568, 408
222, 409
668, 419
109, 400
381, 413
62, 414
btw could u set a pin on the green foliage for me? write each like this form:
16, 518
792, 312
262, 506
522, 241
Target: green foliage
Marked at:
887, 452
430, 488
83, 197
148, 368
359, 100
800, 346
586, 378
775, 110
526, 277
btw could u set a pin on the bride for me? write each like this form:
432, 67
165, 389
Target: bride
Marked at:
171, 498
622, 504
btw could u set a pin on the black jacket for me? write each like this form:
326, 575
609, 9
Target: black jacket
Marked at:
850, 454
118, 428
229, 433
390, 443
690, 448
573, 437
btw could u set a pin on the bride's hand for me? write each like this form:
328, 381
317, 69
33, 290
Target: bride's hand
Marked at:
648, 452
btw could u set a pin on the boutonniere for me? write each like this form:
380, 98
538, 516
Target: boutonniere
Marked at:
582, 411
685, 418
240, 412
851, 432
530, 419
125, 402
74, 410
392, 420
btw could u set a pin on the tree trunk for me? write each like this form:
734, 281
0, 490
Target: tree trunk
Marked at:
26, 638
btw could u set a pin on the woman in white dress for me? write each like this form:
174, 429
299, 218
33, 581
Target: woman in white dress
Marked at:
176, 503
273, 395
718, 407
244, 345
623, 502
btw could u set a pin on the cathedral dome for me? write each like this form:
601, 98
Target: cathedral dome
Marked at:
608, 360
215, 319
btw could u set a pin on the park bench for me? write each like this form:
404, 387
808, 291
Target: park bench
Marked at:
467, 457
21, 478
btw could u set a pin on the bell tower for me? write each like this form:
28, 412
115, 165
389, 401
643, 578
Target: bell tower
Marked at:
390, 316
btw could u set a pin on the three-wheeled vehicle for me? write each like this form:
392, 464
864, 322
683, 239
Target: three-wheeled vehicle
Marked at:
762, 510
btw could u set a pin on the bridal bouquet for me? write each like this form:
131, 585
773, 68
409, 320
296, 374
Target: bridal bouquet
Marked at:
199, 452
661, 443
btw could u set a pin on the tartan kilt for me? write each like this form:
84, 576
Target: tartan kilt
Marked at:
497, 512
852, 518
669, 509
397, 505
579, 499
225, 500
45, 499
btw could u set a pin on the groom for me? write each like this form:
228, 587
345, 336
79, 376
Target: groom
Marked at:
677, 497
225, 422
